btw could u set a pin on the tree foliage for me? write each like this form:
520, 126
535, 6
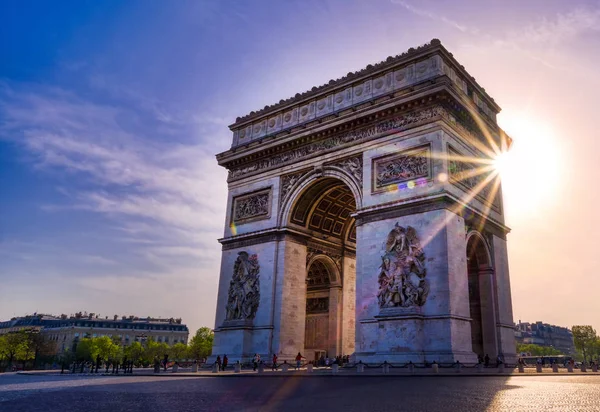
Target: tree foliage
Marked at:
537, 350
201, 343
585, 338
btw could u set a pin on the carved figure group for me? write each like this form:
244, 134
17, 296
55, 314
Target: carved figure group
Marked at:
244, 288
402, 273
251, 206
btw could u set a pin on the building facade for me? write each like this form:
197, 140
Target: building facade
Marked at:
544, 334
65, 331
364, 219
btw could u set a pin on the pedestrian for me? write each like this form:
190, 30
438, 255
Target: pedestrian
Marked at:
298, 360
498, 361
166, 361
218, 362
255, 361
486, 360
225, 361
479, 359
327, 362
274, 366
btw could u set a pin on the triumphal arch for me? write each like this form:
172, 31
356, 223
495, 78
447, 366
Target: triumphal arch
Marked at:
364, 218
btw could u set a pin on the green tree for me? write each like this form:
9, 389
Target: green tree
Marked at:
201, 343
179, 351
134, 352
14, 346
537, 350
84, 350
584, 337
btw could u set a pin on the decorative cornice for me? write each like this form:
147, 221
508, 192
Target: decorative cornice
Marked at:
399, 123
434, 45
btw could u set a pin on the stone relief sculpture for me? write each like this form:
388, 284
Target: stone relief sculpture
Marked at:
354, 166
402, 273
287, 183
470, 176
394, 124
244, 288
398, 169
247, 207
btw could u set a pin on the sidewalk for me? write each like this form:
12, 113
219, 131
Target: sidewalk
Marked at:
322, 372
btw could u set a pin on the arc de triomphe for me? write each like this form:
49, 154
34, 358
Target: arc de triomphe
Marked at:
364, 219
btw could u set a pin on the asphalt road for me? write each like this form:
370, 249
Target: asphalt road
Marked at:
310, 394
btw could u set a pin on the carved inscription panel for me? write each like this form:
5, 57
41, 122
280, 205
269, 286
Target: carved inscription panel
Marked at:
402, 167
252, 206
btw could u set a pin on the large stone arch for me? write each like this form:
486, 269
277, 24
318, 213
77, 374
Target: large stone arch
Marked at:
309, 179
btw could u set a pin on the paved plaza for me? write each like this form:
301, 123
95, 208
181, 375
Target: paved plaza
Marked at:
273, 393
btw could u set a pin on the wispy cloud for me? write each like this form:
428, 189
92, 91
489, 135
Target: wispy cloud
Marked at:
434, 16
159, 194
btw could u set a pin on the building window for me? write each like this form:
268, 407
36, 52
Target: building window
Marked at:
76, 335
94, 335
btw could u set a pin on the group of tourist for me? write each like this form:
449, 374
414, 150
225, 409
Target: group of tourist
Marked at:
486, 360
222, 364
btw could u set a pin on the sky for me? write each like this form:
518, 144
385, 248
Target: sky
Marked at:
111, 113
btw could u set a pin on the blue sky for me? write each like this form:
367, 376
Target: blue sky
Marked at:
111, 113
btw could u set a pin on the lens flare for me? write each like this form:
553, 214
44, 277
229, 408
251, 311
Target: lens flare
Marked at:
233, 229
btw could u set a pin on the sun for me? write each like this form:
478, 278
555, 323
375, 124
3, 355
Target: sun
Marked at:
529, 170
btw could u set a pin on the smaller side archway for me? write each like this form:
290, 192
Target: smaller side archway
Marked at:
322, 337
482, 305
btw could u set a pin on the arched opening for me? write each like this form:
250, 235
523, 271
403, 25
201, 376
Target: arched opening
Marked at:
481, 302
323, 212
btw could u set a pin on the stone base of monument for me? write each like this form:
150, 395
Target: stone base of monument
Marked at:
401, 335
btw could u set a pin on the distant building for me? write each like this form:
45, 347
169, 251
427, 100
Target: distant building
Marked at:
66, 331
544, 334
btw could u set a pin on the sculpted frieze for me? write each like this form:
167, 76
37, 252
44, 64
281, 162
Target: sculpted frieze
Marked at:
244, 288
402, 281
252, 206
410, 165
470, 176
354, 167
287, 182
317, 305
386, 126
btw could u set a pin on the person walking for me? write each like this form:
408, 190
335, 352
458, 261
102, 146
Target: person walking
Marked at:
486, 360
274, 366
298, 360
219, 362
255, 360
225, 361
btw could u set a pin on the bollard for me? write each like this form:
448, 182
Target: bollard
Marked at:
261, 368
335, 368
194, 368
360, 368
555, 368
435, 368
521, 369
237, 368
309, 368
285, 367
458, 367
538, 368
411, 367
583, 368
569, 368
501, 368
480, 367
594, 368
215, 368
175, 367
386, 367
